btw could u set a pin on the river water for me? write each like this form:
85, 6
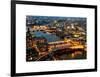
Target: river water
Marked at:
49, 37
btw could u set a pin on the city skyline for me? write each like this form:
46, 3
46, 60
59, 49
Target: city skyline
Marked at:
44, 20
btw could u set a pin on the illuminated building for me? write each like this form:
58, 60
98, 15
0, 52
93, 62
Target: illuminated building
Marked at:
59, 44
39, 40
39, 28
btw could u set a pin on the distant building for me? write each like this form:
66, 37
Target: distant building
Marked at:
39, 28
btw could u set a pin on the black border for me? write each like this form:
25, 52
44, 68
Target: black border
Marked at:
13, 37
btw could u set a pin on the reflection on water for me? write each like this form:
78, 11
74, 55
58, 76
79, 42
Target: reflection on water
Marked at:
49, 37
